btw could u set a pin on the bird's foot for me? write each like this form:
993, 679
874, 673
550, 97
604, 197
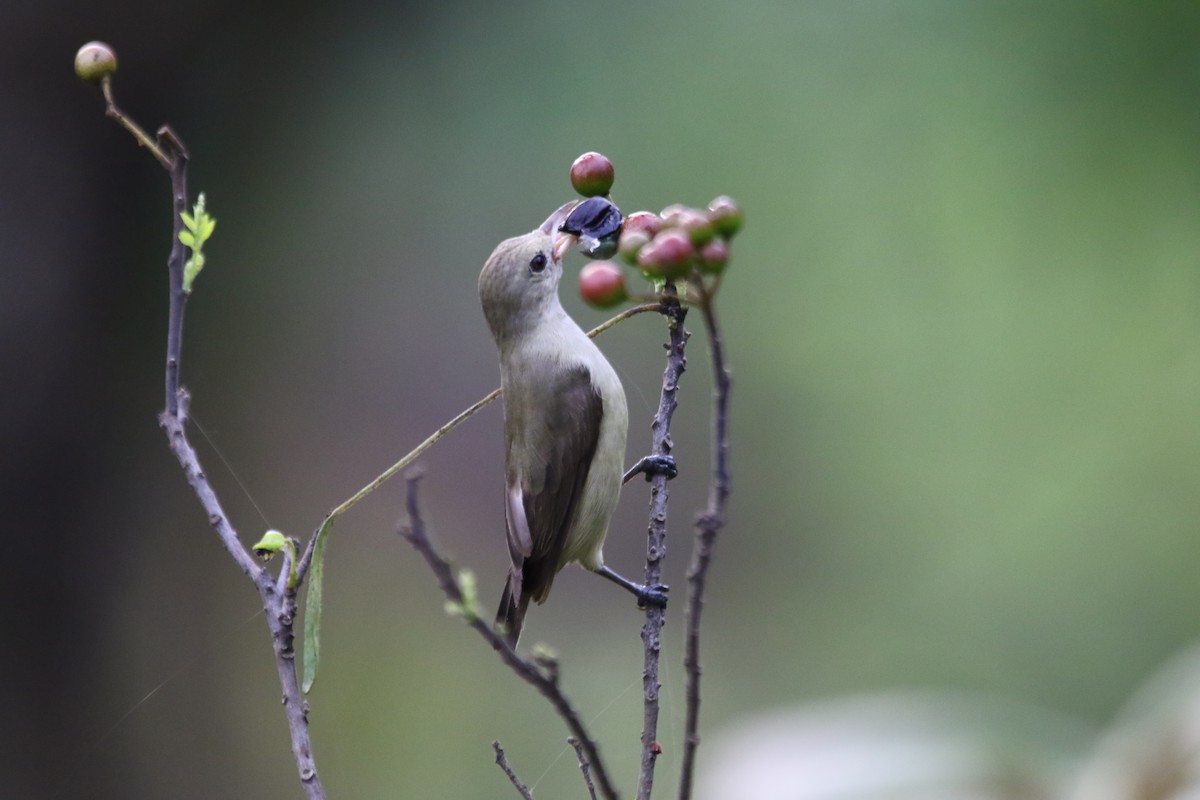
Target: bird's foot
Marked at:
651, 466
653, 595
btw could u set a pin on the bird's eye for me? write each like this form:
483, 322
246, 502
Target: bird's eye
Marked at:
538, 262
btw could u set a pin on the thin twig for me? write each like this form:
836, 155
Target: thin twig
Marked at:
708, 525
584, 767
174, 425
656, 537
113, 112
545, 681
502, 761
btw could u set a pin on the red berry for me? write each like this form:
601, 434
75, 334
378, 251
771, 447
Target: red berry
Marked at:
669, 255
602, 284
592, 175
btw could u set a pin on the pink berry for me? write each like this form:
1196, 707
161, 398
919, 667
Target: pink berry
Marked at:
714, 255
602, 284
645, 221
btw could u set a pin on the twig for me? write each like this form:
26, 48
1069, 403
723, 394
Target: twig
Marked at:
708, 525
656, 537
176, 165
584, 767
113, 112
545, 681
280, 605
522, 789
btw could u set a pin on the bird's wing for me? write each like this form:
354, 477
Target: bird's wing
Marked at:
558, 445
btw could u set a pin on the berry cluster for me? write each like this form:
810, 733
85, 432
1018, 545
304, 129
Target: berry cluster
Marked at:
679, 243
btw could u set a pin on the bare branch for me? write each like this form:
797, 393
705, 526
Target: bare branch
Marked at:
584, 767
656, 538
708, 525
542, 679
502, 761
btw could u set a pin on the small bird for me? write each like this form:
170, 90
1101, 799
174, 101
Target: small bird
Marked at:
565, 423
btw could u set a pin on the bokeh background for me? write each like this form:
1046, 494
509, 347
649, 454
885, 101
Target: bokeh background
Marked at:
963, 318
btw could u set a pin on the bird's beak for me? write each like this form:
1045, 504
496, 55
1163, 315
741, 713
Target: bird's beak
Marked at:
562, 241
554, 220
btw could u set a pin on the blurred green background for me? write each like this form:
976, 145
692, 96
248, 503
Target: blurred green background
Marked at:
963, 318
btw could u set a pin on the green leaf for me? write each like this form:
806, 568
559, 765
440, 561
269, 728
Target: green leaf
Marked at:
190, 270
312, 608
200, 225
271, 543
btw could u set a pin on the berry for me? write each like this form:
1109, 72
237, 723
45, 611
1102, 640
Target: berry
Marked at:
645, 221
669, 213
713, 256
669, 255
631, 243
602, 284
95, 61
725, 215
592, 175
695, 224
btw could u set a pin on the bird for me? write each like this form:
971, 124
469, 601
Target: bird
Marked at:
565, 425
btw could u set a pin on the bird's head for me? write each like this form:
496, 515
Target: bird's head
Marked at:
520, 279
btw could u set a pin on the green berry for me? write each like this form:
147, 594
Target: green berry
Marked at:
95, 61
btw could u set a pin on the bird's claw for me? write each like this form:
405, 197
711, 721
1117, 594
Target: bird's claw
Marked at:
653, 465
655, 595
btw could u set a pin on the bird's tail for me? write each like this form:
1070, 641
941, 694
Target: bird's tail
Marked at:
513, 605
